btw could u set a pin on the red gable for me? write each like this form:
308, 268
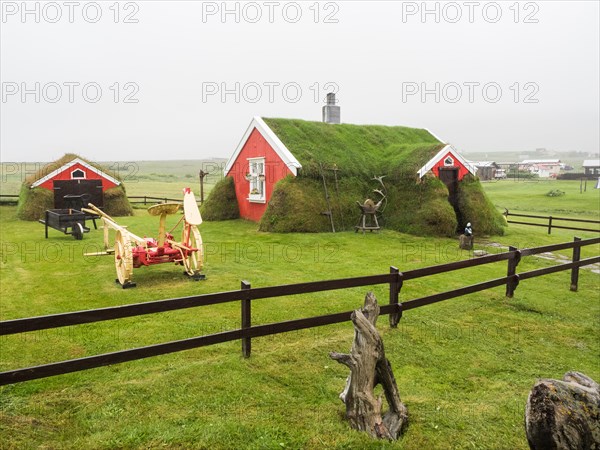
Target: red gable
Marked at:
76, 169
447, 157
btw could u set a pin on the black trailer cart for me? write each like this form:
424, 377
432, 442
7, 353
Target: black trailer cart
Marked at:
69, 221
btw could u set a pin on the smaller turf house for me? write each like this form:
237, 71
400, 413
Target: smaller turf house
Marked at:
71, 175
278, 174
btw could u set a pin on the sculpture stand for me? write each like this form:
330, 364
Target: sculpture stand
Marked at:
368, 218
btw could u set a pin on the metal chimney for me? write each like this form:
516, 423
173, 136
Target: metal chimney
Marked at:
331, 112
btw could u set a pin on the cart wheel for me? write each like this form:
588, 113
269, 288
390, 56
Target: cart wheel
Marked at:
77, 231
123, 258
194, 261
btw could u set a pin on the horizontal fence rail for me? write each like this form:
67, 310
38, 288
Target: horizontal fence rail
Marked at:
145, 199
550, 220
247, 294
106, 359
138, 309
9, 199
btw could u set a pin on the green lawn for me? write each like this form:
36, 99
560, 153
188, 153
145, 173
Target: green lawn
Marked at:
530, 197
464, 367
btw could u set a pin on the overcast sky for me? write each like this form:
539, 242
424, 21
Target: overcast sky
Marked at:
182, 80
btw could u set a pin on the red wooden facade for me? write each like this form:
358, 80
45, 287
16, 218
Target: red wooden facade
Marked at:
76, 170
255, 149
448, 158
444, 162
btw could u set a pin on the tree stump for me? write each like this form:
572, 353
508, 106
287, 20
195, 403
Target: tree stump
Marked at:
564, 414
369, 367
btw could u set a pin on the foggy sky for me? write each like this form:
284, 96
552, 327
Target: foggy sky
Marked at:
183, 80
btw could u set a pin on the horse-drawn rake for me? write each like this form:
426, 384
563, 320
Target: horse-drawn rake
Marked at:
131, 251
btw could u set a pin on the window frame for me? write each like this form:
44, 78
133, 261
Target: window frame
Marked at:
256, 178
78, 178
446, 164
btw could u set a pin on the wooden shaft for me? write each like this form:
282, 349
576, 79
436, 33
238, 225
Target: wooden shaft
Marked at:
161, 229
110, 222
93, 209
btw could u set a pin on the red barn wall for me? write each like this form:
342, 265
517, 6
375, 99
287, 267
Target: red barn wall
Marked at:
462, 170
66, 175
275, 169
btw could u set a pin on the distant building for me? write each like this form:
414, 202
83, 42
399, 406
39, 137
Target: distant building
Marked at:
544, 168
591, 167
486, 170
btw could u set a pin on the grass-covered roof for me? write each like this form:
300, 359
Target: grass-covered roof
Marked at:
356, 149
57, 164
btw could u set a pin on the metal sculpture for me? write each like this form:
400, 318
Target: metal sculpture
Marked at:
131, 251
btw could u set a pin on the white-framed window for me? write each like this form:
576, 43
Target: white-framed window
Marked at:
77, 174
256, 177
449, 161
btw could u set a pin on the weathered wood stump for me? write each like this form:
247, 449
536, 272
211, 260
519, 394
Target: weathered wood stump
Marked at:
465, 242
369, 367
564, 414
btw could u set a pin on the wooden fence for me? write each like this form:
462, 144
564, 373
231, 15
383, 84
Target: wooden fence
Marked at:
9, 199
246, 295
551, 220
147, 199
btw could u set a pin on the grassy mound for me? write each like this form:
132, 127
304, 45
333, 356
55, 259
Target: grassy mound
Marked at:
116, 203
359, 152
33, 203
476, 208
348, 157
221, 204
420, 208
297, 205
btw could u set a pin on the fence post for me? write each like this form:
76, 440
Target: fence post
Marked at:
395, 286
513, 281
575, 270
549, 224
246, 322
144, 199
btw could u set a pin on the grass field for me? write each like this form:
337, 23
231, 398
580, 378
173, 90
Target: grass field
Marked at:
530, 197
464, 367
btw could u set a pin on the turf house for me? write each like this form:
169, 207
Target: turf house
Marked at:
71, 175
297, 176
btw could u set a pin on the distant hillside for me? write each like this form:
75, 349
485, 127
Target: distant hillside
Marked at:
168, 170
